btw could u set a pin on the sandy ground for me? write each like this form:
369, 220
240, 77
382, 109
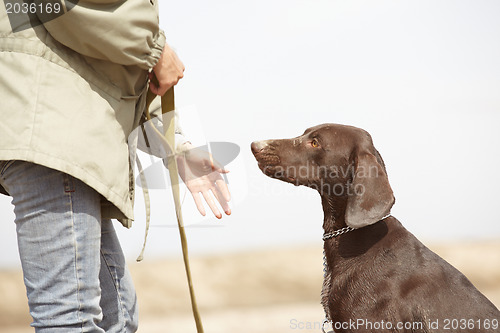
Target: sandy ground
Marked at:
265, 291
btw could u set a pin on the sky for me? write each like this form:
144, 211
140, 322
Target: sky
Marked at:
421, 76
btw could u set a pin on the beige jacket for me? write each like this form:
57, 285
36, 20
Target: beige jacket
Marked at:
72, 90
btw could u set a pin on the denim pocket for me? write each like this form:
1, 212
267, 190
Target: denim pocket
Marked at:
4, 165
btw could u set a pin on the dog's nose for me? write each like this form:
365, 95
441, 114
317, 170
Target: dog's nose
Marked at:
257, 146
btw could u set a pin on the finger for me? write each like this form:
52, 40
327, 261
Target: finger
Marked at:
180, 64
210, 201
160, 87
222, 186
221, 198
158, 90
199, 203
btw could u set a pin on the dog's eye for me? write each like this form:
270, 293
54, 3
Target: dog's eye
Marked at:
315, 143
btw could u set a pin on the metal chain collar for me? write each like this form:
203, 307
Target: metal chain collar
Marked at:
344, 230
337, 233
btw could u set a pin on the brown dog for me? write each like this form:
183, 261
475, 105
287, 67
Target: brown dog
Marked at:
379, 277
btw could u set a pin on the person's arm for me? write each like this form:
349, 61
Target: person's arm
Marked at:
123, 32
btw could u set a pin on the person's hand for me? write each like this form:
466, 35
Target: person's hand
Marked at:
169, 70
202, 174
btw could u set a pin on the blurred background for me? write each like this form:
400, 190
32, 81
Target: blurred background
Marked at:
421, 76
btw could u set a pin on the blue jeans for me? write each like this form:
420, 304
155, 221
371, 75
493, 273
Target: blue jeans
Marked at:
73, 265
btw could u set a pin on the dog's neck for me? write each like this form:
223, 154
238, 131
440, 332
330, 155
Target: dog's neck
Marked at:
334, 212
334, 219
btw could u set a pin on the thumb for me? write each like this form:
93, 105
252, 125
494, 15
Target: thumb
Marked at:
216, 166
154, 88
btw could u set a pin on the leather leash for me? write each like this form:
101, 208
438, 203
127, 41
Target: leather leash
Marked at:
168, 141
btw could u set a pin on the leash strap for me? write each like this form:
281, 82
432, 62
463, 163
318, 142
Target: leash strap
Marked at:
168, 141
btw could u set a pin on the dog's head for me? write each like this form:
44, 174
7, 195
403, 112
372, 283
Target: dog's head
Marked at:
338, 161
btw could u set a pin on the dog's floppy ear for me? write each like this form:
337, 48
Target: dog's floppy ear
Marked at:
371, 196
